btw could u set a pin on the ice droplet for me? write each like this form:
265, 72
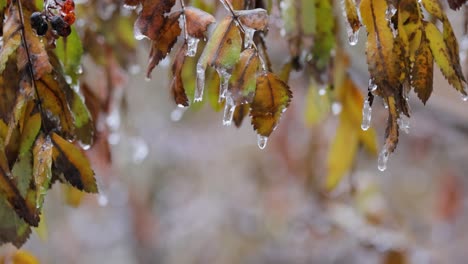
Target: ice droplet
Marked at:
103, 201
248, 37
113, 119
79, 70
192, 44
383, 158
113, 138
322, 90
261, 141
137, 33
336, 108
391, 10
465, 89
134, 69
353, 37
404, 123
229, 109
200, 83
366, 114
385, 105
130, 7
223, 87
372, 86
178, 113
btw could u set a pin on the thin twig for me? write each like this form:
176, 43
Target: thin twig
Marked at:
30, 65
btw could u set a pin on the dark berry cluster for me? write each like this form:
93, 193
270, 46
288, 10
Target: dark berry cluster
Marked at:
60, 20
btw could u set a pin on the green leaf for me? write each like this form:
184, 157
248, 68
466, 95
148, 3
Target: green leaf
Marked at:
69, 50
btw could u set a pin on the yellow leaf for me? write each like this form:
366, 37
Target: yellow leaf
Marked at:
317, 105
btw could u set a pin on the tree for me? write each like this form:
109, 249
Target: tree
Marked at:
50, 113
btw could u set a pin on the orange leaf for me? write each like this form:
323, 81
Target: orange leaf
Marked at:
197, 21
152, 17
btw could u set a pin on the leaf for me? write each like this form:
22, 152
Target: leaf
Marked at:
21, 257
152, 18
254, 18
243, 79
11, 37
272, 97
380, 47
456, 4
12, 228
10, 192
213, 81
352, 16
342, 151
198, 22
73, 196
441, 55
69, 160
42, 167
324, 35
239, 114
422, 71
165, 41
29, 134
317, 106
69, 50
177, 84
224, 46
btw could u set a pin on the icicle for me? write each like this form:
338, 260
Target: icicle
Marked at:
322, 89
465, 89
113, 119
383, 158
391, 10
103, 201
372, 86
229, 108
200, 83
223, 88
404, 123
178, 113
248, 37
137, 33
261, 141
366, 114
353, 37
385, 105
336, 108
192, 44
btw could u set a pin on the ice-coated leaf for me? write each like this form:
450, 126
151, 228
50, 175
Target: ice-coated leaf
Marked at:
224, 46
42, 167
177, 84
69, 160
11, 36
352, 16
198, 21
272, 97
164, 42
441, 55
213, 82
152, 17
240, 113
324, 35
29, 133
422, 71
255, 18
69, 50
243, 79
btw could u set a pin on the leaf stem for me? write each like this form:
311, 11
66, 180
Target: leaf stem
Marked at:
182, 4
30, 65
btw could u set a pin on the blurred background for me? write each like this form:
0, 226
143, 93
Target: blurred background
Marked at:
183, 188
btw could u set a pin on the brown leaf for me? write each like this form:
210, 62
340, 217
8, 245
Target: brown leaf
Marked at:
152, 17
456, 4
254, 18
197, 21
272, 97
69, 160
239, 114
177, 84
422, 71
164, 42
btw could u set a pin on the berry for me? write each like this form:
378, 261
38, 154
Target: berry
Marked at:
70, 18
39, 24
60, 26
68, 6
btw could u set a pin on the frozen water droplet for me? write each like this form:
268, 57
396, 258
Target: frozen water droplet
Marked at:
336, 108
385, 105
113, 138
200, 83
353, 37
229, 109
391, 10
262, 141
178, 113
140, 150
147, 79
248, 39
103, 201
130, 7
134, 69
113, 119
383, 158
372, 86
223, 88
84, 146
192, 44
465, 89
137, 33
79, 69
366, 115
404, 123
282, 32
68, 79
